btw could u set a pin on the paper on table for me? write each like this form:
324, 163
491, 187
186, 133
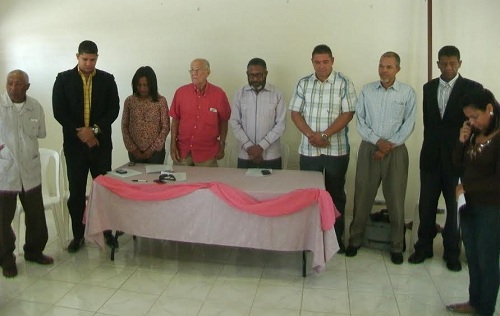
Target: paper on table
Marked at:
129, 173
152, 168
179, 176
257, 172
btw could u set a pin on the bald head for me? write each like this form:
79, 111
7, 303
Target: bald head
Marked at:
199, 71
21, 73
18, 82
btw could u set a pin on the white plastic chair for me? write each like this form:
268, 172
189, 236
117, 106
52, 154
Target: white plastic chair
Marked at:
65, 197
50, 164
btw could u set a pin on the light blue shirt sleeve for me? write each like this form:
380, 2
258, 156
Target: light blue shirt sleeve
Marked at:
364, 127
409, 119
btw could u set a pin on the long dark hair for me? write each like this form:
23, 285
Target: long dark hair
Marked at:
479, 99
150, 75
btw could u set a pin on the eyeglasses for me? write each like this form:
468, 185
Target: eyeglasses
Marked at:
195, 71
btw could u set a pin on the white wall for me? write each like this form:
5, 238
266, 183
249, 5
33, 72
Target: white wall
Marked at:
42, 36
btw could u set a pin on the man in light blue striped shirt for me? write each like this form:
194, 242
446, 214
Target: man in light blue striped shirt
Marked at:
385, 119
322, 106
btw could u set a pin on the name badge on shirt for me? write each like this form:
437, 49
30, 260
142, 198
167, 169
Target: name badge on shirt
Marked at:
34, 120
213, 110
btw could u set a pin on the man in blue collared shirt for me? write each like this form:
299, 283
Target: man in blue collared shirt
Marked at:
322, 106
385, 119
258, 117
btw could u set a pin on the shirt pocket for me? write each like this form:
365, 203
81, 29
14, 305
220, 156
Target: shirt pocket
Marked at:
397, 111
31, 126
6, 160
211, 119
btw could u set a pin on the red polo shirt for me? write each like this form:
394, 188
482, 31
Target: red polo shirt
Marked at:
199, 115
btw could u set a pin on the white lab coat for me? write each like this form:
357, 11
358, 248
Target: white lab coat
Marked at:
19, 133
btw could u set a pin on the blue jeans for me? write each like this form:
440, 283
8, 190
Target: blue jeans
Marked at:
334, 169
481, 235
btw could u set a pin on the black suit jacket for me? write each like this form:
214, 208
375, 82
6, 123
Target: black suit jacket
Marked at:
67, 104
441, 135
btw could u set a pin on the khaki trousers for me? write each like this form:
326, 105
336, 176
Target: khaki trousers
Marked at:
392, 172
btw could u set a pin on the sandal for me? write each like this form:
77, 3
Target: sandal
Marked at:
461, 308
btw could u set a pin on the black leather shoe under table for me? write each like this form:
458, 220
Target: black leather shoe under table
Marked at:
75, 245
111, 241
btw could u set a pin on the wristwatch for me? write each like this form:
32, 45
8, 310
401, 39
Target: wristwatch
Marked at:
325, 137
96, 129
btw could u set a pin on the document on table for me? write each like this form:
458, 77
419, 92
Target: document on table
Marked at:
152, 168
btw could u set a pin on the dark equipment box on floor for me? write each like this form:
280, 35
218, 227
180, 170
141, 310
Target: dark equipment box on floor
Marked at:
378, 232
377, 235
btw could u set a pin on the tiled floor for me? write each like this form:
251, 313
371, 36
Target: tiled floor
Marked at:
152, 277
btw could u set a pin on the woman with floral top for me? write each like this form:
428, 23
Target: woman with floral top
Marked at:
145, 121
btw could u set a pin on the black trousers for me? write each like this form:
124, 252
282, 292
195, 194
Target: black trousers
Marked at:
432, 184
36, 225
97, 160
334, 168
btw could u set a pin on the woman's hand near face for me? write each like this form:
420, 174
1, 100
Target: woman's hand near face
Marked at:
465, 132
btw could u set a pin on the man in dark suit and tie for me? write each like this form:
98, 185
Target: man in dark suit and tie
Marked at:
85, 102
443, 118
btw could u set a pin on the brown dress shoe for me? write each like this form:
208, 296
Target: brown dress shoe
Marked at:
42, 259
461, 308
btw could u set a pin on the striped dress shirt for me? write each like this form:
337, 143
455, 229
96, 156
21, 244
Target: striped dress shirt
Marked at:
321, 103
87, 96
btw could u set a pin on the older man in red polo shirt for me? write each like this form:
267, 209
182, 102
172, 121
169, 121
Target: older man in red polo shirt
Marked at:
200, 112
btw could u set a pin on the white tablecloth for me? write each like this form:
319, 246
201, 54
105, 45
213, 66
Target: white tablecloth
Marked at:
202, 217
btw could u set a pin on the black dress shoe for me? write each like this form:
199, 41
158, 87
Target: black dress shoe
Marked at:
75, 245
111, 241
453, 265
351, 251
419, 257
9, 268
10, 271
396, 257
341, 248
41, 259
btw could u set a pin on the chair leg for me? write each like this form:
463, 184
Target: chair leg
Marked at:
58, 223
17, 225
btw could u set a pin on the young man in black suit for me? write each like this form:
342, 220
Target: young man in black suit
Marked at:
443, 118
85, 102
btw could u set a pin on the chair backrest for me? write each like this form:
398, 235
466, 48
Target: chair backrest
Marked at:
51, 165
285, 154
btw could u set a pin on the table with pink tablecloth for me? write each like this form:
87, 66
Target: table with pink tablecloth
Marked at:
285, 211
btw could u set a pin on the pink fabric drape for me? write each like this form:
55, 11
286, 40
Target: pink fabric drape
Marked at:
285, 204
